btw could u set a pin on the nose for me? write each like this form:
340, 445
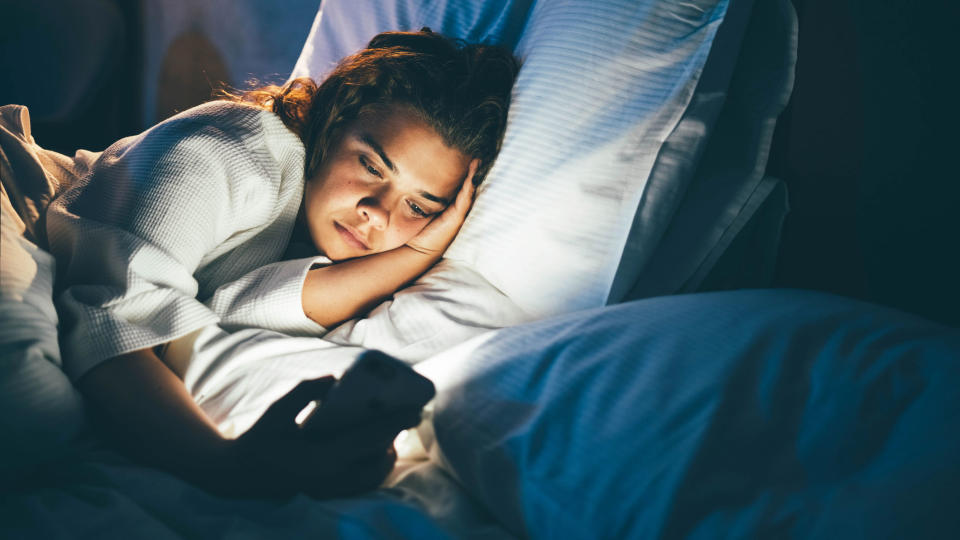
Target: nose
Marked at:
371, 210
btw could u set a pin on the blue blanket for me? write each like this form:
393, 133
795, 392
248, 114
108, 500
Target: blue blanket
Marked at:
760, 414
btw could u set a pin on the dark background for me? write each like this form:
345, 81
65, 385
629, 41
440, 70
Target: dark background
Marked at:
866, 146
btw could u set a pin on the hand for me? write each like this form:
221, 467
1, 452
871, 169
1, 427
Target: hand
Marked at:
275, 457
439, 233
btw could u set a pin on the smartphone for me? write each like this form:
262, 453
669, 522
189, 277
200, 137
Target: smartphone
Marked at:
375, 384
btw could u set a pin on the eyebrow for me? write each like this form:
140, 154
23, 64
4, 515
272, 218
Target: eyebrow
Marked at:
372, 143
368, 139
434, 198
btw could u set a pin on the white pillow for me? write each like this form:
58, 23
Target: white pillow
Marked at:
602, 85
444, 308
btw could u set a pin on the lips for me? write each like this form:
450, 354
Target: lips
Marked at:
351, 237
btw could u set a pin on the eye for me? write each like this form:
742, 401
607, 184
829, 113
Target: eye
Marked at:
419, 212
370, 168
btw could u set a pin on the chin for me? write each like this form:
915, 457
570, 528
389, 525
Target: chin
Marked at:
336, 256
346, 254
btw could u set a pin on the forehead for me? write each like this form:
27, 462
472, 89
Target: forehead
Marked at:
421, 159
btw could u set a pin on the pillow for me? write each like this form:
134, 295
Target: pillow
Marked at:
448, 306
708, 181
747, 414
602, 86
40, 410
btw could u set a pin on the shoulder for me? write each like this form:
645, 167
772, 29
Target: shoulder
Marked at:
218, 153
218, 139
226, 123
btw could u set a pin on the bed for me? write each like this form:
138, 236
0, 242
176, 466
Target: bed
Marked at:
587, 388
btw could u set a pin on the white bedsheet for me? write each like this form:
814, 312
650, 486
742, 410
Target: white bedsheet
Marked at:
235, 376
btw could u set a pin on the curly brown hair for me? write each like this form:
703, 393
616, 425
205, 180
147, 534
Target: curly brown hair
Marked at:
461, 90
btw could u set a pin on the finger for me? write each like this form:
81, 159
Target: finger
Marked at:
284, 411
377, 434
468, 190
298, 458
323, 478
466, 194
354, 479
317, 460
461, 206
395, 422
371, 437
472, 170
359, 442
370, 449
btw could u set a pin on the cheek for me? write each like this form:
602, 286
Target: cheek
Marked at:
311, 206
337, 189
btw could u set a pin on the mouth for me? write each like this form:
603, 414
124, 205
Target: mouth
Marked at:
351, 237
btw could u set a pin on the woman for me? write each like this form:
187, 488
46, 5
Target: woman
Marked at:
193, 223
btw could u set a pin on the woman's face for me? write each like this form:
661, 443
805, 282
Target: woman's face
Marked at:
380, 185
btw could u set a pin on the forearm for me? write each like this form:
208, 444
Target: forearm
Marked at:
150, 412
339, 292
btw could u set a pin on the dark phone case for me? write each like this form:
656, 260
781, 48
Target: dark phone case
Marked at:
375, 385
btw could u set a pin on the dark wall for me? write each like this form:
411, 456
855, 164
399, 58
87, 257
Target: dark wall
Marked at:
867, 148
89, 101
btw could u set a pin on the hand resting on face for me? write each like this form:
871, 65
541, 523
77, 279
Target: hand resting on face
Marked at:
345, 290
436, 237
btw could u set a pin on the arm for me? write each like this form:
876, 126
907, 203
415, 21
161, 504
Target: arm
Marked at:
130, 242
336, 293
140, 398
137, 394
